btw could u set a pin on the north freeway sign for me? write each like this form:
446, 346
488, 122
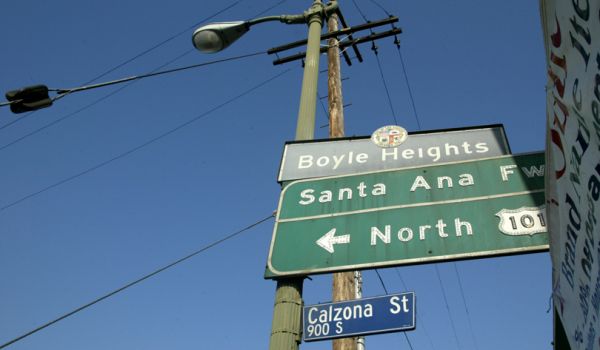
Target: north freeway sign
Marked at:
383, 314
458, 210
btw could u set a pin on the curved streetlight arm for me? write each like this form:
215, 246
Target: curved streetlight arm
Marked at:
316, 9
217, 36
288, 19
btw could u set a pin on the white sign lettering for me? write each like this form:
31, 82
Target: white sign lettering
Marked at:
347, 156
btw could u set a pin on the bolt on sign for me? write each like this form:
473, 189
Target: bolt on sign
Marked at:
459, 210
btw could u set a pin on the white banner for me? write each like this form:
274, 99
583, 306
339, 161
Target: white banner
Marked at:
572, 40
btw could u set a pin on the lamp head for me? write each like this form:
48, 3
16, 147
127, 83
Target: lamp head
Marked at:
215, 37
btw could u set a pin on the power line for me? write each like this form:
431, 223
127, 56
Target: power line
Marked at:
65, 92
419, 128
139, 280
122, 64
419, 318
69, 115
462, 293
187, 29
374, 49
8, 103
387, 91
386, 292
437, 271
134, 149
268, 9
401, 279
325, 112
130, 81
135, 57
381, 7
397, 42
360, 11
119, 81
410, 94
381, 281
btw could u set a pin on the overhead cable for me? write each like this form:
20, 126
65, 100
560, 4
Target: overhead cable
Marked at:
397, 42
64, 92
137, 148
125, 86
462, 293
381, 7
89, 105
135, 57
419, 318
137, 281
437, 271
381, 281
268, 9
156, 46
387, 91
410, 94
360, 11
129, 80
374, 49
386, 292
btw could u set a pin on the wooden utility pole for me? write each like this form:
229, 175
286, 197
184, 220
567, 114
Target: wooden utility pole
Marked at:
343, 282
334, 83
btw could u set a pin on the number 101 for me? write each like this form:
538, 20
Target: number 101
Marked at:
527, 221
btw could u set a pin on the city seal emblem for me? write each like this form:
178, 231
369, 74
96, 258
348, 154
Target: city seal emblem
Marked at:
389, 136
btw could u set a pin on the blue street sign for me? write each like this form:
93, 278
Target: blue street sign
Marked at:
389, 313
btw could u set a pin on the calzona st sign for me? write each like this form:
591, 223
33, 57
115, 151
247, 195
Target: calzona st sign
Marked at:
389, 313
458, 210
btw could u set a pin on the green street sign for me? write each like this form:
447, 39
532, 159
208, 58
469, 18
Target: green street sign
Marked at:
459, 210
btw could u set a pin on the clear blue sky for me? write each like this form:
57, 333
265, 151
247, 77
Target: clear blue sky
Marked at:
468, 63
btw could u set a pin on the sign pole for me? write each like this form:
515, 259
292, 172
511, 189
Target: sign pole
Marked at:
286, 328
360, 341
343, 282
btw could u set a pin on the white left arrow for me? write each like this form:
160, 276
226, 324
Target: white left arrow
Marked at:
328, 240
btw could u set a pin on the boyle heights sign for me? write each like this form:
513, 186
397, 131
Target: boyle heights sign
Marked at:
303, 160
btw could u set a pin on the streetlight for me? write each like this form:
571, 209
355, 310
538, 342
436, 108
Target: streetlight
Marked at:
215, 37
286, 328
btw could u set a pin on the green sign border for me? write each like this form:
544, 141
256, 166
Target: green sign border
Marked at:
271, 272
